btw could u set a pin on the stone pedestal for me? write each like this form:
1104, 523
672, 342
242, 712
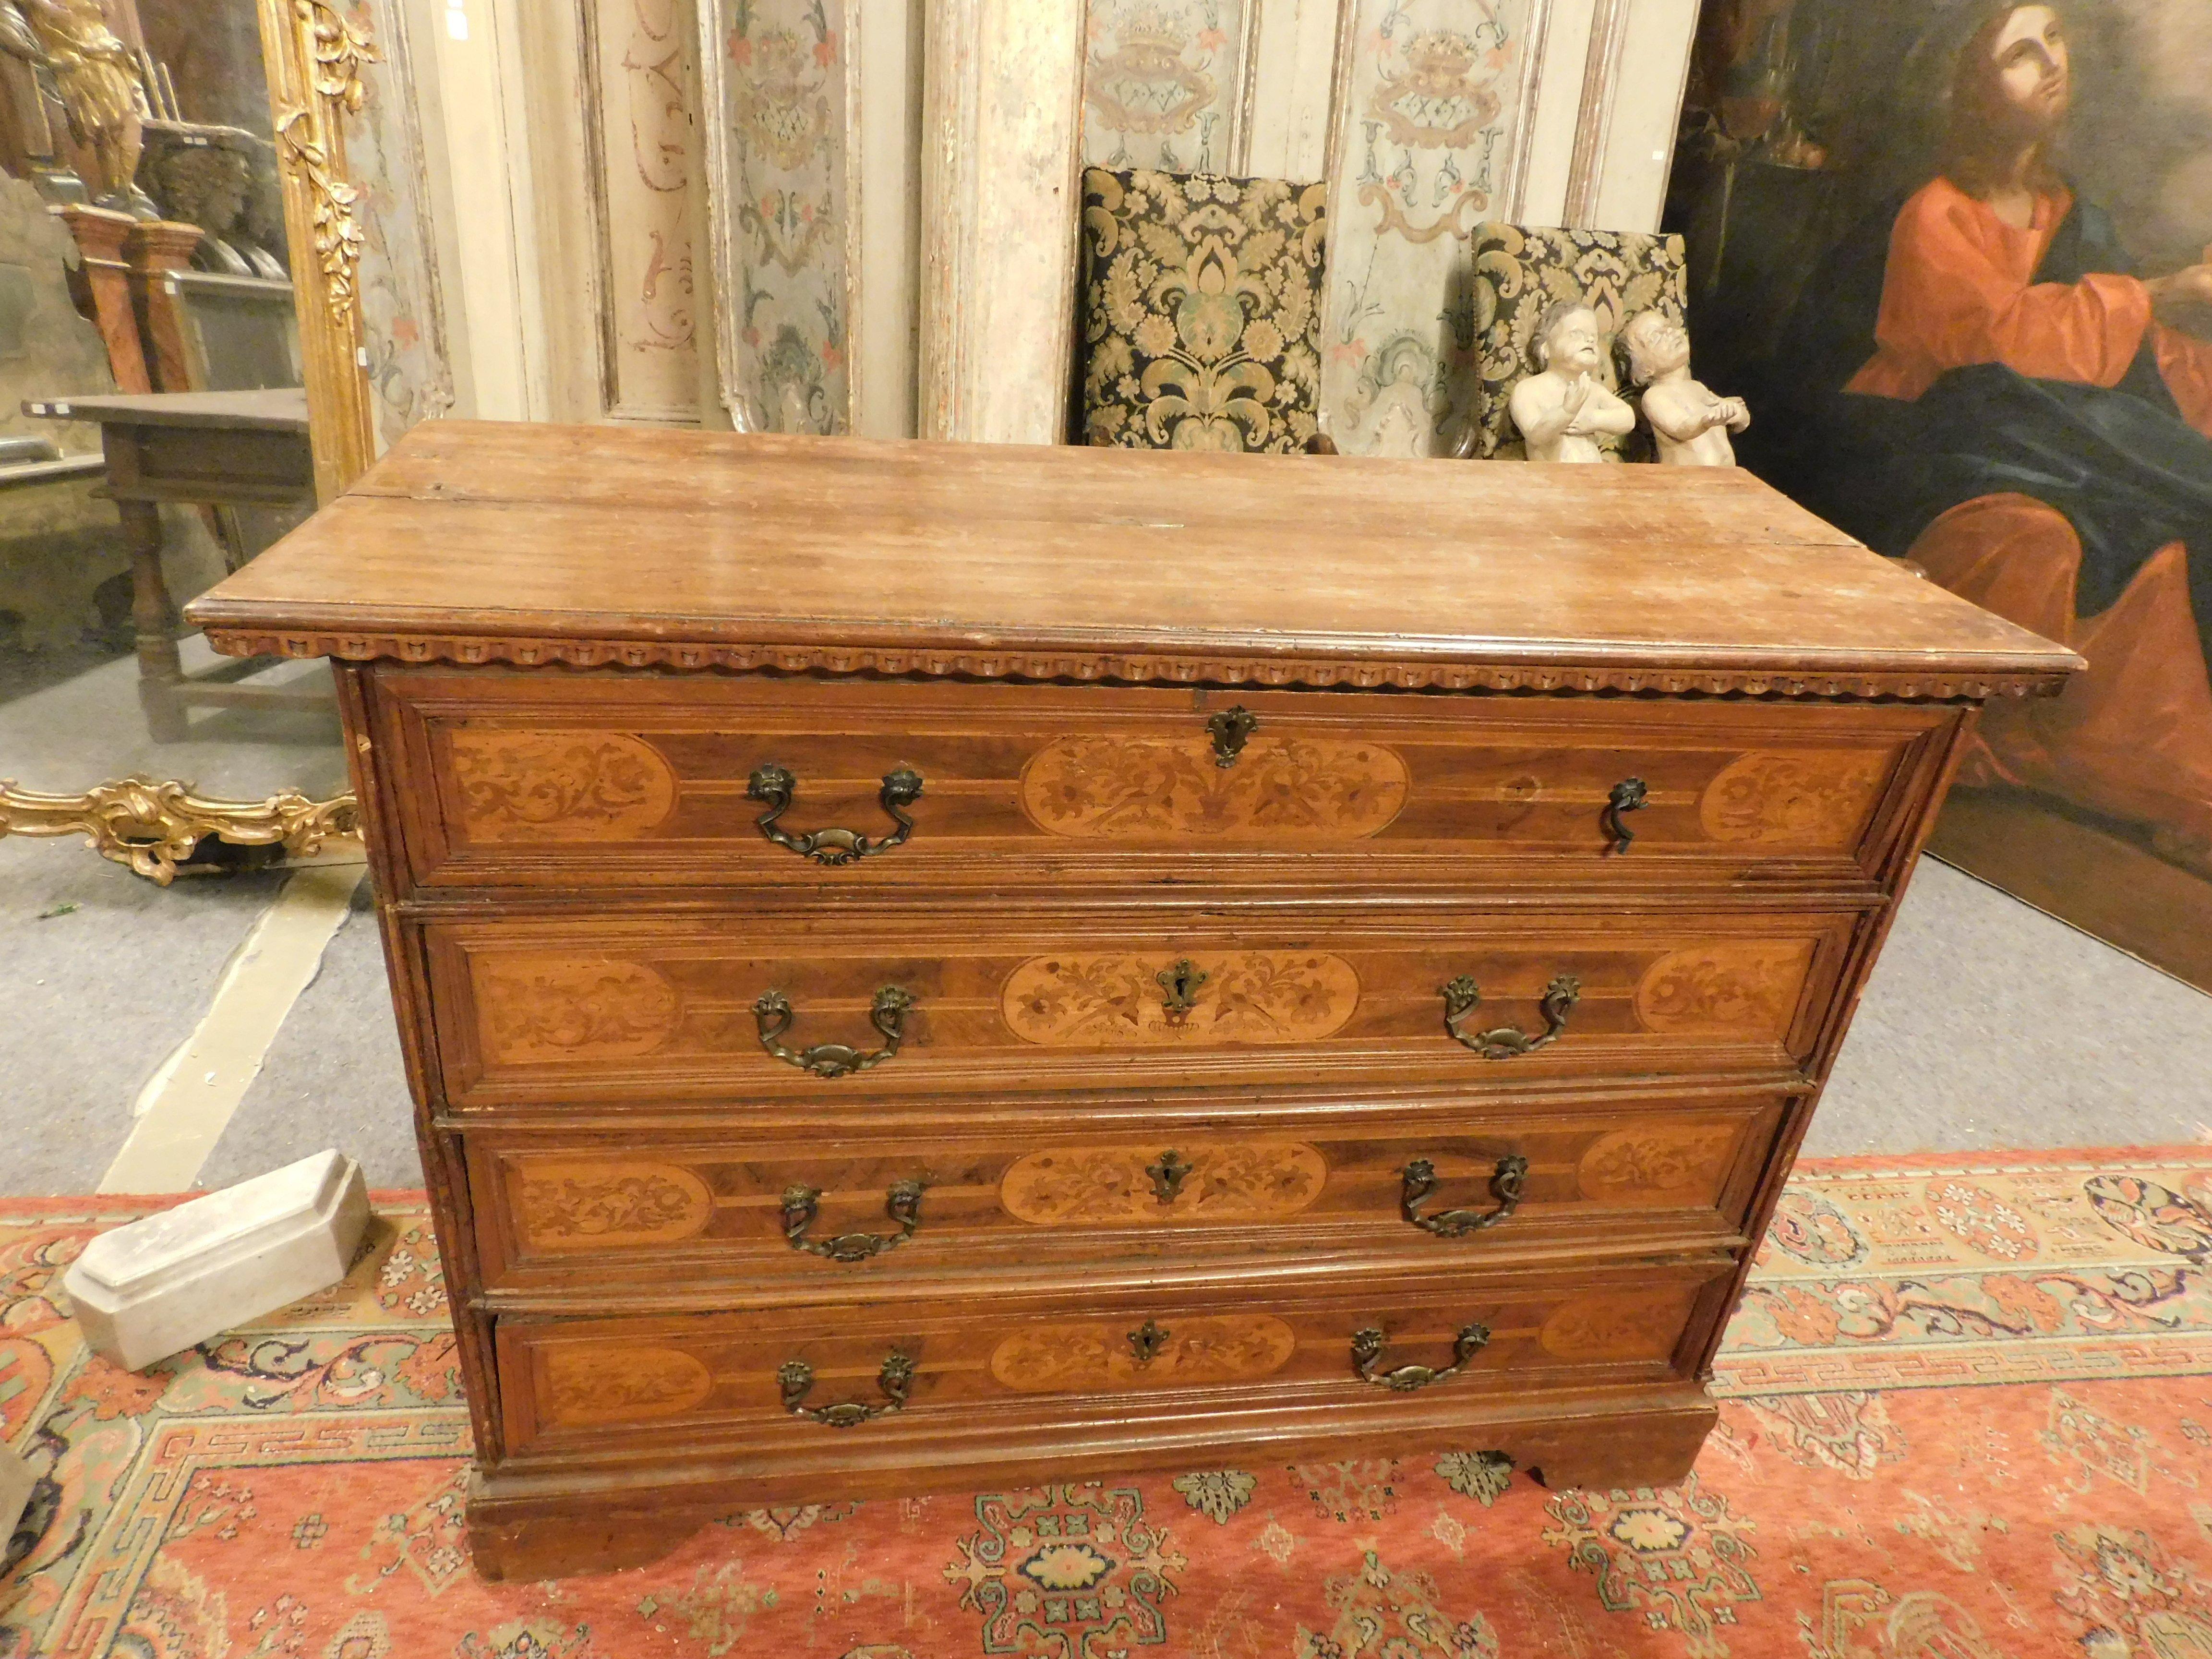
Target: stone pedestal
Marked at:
165, 1284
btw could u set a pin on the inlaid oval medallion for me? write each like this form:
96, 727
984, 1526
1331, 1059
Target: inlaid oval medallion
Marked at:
1217, 1348
1111, 1000
558, 786
535, 1010
1219, 1182
1749, 989
586, 1385
1621, 1327
1281, 789
1658, 1162
572, 1205
1811, 798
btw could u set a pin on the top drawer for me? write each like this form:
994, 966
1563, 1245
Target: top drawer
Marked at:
618, 778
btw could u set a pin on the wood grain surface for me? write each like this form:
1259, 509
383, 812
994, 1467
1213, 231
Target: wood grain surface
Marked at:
468, 540
1169, 1031
532, 778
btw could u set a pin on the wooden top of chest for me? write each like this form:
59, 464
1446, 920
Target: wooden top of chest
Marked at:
476, 542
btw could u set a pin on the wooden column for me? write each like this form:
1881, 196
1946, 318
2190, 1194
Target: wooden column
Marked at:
102, 285
153, 251
1003, 119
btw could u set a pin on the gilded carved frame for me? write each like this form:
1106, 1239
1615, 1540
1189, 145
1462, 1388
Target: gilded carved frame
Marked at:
312, 53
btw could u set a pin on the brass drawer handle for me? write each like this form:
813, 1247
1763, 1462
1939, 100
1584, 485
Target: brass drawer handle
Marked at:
1367, 1348
903, 1204
1228, 729
797, 1376
772, 1013
774, 785
1628, 795
1420, 1180
1462, 995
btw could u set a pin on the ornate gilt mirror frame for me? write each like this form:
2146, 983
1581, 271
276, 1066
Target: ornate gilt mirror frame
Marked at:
313, 54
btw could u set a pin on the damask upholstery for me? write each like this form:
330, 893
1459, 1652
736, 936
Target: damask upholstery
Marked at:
1202, 296
1520, 271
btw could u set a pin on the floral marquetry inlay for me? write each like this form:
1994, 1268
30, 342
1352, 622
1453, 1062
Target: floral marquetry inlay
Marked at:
558, 786
1659, 1164
1281, 789
1640, 1327
1819, 798
1223, 1348
1110, 999
1740, 990
533, 1011
571, 1205
586, 1385
1111, 1185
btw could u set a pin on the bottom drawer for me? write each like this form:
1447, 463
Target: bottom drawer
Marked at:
759, 1384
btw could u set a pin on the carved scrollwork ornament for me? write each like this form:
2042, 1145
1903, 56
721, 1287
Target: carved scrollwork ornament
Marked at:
773, 1014
775, 787
1367, 1349
903, 1204
336, 49
796, 1379
1462, 995
153, 827
1420, 1180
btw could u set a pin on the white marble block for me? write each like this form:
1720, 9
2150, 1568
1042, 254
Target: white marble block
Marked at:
147, 1290
16, 1483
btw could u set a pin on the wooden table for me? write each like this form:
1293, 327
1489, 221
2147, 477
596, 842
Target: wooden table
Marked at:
219, 449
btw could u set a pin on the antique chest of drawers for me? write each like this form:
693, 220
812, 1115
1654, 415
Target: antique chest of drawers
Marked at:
931, 966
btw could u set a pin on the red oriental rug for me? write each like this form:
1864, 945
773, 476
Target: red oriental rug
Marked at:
1966, 1415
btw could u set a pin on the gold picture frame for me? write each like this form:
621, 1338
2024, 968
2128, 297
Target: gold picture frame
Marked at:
313, 54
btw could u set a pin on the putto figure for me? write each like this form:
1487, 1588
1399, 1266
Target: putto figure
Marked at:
1561, 410
1690, 421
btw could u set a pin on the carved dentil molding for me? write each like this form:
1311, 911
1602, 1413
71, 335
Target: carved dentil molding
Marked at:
1129, 668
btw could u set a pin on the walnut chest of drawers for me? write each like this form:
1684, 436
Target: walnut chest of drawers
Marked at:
929, 966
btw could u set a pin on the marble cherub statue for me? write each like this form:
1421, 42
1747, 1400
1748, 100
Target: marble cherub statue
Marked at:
1690, 422
1561, 410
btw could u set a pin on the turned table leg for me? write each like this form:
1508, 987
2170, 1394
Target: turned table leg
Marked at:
154, 615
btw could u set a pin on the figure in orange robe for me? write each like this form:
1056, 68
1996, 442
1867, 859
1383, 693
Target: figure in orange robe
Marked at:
2064, 423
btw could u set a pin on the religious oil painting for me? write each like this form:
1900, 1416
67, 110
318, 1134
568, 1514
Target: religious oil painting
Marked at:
1955, 254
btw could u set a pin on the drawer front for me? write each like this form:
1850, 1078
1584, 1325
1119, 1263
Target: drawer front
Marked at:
833, 1207
887, 1008
631, 780
754, 1378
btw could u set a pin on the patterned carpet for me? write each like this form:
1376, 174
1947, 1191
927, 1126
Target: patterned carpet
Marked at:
1966, 1414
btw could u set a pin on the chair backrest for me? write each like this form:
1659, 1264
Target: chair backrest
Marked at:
1201, 303
1520, 271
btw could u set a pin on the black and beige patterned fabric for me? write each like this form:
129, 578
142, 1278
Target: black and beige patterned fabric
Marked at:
1520, 271
1201, 325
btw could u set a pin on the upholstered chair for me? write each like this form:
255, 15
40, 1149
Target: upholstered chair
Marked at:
1519, 272
1201, 306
